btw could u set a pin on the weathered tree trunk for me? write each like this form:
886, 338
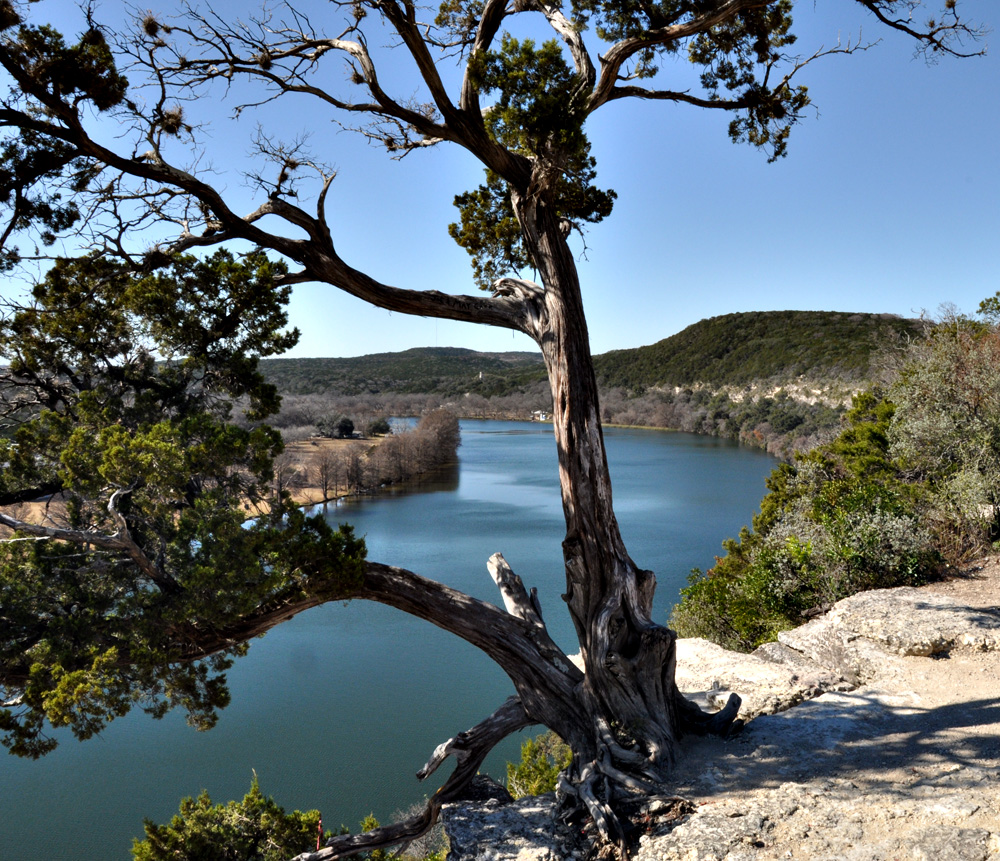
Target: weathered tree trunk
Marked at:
629, 713
623, 714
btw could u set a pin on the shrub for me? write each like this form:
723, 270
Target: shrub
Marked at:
542, 759
254, 828
840, 521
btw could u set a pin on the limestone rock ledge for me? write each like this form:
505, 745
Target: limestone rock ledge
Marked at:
873, 734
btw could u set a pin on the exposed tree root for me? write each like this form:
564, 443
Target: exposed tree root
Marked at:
614, 781
469, 749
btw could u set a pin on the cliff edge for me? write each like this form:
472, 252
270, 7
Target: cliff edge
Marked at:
873, 733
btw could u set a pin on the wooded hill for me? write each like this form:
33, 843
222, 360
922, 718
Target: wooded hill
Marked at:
739, 349
729, 351
446, 371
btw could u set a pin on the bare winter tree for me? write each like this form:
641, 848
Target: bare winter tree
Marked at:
326, 469
97, 137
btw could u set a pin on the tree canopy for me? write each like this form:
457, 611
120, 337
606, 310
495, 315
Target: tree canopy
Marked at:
131, 574
149, 579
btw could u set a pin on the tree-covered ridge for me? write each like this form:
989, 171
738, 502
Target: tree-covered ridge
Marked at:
723, 352
440, 370
738, 349
778, 380
908, 487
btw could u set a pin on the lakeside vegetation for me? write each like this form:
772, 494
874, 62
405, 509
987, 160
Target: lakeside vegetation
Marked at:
321, 468
777, 380
908, 489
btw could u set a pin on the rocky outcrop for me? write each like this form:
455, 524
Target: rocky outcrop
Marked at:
525, 829
856, 636
873, 733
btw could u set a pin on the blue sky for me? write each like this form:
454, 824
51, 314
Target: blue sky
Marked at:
888, 201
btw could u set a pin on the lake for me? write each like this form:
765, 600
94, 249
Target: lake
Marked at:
338, 708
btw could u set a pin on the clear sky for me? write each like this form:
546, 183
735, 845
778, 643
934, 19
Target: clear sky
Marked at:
888, 201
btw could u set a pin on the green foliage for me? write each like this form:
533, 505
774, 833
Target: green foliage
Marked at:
489, 231
379, 427
840, 521
146, 578
370, 823
254, 829
542, 759
539, 107
737, 349
735, 58
538, 112
40, 175
85, 70
30, 171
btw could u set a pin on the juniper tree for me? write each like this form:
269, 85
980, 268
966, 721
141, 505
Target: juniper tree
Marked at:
520, 107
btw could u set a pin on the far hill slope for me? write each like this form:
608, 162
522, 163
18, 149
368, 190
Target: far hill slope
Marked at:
433, 370
726, 352
774, 379
736, 350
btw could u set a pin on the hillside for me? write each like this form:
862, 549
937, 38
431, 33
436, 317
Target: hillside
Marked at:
738, 349
445, 371
778, 380
732, 350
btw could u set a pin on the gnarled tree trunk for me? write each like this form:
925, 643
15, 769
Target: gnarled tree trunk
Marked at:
631, 713
623, 714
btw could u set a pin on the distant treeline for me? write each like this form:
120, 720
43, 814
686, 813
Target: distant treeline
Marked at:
397, 457
443, 371
776, 380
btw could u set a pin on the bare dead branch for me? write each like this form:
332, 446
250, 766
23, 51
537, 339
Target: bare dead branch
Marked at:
469, 749
938, 36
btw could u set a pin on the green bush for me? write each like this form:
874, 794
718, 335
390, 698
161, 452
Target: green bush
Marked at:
839, 521
542, 759
254, 829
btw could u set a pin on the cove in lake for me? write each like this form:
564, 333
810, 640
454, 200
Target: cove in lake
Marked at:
338, 708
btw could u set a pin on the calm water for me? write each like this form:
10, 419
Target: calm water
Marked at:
338, 708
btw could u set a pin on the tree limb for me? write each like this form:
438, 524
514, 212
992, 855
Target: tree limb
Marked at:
318, 256
492, 16
120, 541
469, 749
573, 37
937, 35
620, 53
